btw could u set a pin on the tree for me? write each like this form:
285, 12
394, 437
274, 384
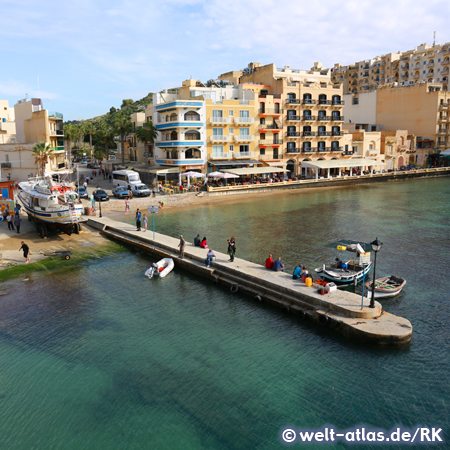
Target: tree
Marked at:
41, 152
122, 126
79, 131
147, 134
105, 132
90, 129
70, 134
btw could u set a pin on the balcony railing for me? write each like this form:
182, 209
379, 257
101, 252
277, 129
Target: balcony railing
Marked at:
337, 118
5, 165
308, 118
323, 118
336, 148
309, 149
244, 120
219, 120
220, 138
293, 101
243, 154
308, 101
323, 133
293, 150
55, 115
268, 127
337, 133
292, 134
270, 141
221, 155
271, 111
244, 138
292, 117
308, 133
337, 102
324, 102
323, 149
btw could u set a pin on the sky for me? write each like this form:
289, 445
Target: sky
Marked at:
82, 57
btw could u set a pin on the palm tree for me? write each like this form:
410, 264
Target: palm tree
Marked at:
41, 152
106, 133
70, 134
122, 126
90, 129
147, 134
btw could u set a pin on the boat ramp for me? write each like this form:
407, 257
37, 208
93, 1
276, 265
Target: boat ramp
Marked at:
338, 310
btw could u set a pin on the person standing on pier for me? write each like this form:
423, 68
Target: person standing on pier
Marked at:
127, 205
182, 244
9, 219
17, 221
26, 252
138, 220
145, 223
231, 248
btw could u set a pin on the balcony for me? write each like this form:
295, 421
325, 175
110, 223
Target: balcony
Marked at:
220, 155
55, 115
244, 138
308, 134
293, 118
337, 103
219, 120
308, 118
430, 64
308, 101
309, 149
271, 142
270, 112
323, 118
446, 61
243, 154
337, 133
180, 122
244, 120
220, 138
336, 149
442, 131
5, 165
293, 150
323, 133
293, 134
293, 101
323, 149
337, 118
268, 127
324, 102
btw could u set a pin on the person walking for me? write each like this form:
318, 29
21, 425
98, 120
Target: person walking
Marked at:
154, 192
182, 244
9, 219
231, 249
26, 252
138, 220
127, 205
17, 221
145, 222
6, 212
17, 209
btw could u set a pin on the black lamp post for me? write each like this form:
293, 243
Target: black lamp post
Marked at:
100, 204
376, 247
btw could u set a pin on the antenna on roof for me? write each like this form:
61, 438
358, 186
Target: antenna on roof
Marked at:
434, 38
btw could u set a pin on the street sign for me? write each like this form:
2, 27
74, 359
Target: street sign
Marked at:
153, 209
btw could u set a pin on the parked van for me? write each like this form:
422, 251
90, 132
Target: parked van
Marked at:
140, 190
126, 178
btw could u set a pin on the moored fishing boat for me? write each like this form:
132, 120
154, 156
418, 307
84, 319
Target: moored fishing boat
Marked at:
386, 286
350, 271
51, 204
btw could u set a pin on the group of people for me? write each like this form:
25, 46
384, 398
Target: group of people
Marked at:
12, 218
203, 243
141, 218
300, 270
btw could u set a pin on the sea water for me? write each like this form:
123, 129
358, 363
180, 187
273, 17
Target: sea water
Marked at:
100, 357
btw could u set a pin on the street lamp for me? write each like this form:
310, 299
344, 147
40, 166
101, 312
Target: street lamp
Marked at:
376, 247
100, 203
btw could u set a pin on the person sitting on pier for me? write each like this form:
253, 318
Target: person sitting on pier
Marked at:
197, 241
278, 266
209, 257
269, 262
297, 272
204, 244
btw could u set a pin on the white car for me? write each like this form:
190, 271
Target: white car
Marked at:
140, 190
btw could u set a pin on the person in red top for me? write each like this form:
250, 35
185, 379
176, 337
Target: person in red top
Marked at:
269, 262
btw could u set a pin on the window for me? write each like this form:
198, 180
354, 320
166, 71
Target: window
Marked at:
262, 151
262, 121
217, 132
244, 132
231, 148
424, 71
217, 150
355, 149
231, 130
217, 113
439, 59
244, 148
370, 146
244, 113
231, 113
355, 101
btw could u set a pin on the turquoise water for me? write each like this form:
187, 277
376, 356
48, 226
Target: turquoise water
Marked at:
102, 358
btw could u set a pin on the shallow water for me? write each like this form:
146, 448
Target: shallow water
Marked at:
100, 357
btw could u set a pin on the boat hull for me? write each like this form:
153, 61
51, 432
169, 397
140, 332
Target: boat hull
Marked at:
343, 276
386, 287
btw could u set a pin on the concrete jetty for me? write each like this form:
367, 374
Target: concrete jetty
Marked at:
338, 310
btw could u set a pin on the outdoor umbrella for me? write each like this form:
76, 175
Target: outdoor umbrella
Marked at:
215, 174
193, 175
227, 175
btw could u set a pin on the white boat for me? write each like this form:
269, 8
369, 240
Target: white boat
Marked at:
386, 286
51, 204
161, 268
351, 271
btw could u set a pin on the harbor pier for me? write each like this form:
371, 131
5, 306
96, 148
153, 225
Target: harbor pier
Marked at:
338, 310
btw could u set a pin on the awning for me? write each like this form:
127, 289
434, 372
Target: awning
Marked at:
162, 170
276, 163
242, 162
336, 163
255, 170
445, 153
278, 123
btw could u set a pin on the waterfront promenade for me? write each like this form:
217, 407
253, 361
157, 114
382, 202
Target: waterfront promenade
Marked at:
338, 310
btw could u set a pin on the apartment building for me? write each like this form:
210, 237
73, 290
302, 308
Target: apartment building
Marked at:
205, 126
7, 123
426, 63
33, 124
